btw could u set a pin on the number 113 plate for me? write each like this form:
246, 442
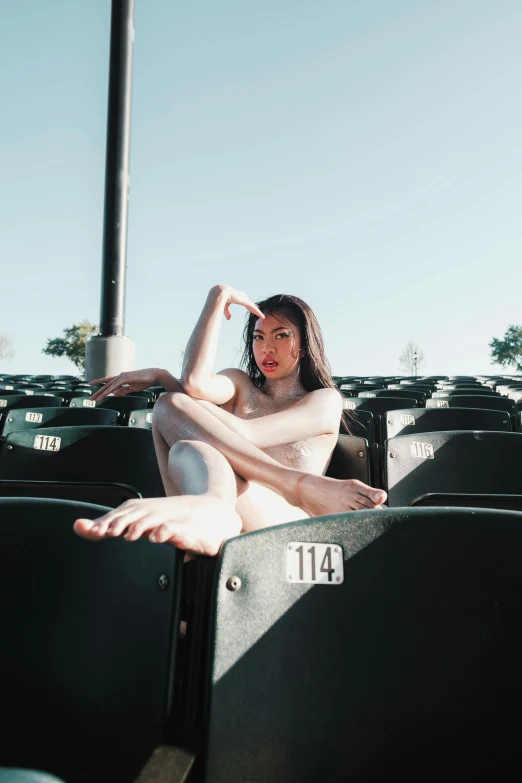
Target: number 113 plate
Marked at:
311, 563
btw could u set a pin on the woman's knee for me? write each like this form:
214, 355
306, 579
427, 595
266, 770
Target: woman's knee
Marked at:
169, 406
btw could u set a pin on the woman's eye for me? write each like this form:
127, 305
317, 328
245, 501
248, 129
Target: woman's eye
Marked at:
283, 334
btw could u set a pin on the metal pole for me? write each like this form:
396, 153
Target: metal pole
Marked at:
112, 313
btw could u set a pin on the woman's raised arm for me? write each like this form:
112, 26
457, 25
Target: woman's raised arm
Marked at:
197, 377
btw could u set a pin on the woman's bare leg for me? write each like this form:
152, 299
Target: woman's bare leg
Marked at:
177, 416
199, 520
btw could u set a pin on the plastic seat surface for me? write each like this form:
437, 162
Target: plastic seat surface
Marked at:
447, 462
35, 418
116, 454
11, 775
406, 669
141, 418
350, 459
409, 421
88, 635
8, 402
378, 405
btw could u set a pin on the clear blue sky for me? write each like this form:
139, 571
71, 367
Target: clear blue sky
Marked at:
362, 154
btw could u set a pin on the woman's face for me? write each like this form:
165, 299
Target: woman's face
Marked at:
276, 346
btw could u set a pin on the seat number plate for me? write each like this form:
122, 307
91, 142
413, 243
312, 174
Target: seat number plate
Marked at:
422, 450
149, 418
311, 563
3, 403
407, 418
34, 417
442, 404
89, 403
349, 404
47, 443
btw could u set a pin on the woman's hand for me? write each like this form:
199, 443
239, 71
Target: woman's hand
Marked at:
233, 296
125, 383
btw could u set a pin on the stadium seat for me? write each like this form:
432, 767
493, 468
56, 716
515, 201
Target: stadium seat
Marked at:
500, 502
101, 493
11, 401
123, 405
34, 418
89, 634
452, 462
350, 459
418, 396
407, 422
109, 454
70, 394
406, 666
141, 418
452, 392
25, 776
477, 401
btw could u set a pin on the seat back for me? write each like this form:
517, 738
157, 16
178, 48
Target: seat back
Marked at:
35, 418
350, 459
405, 668
361, 425
114, 454
8, 402
460, 461
141, 418
477, 401
407, 422
88, 641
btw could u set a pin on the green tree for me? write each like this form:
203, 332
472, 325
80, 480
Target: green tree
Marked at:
508, 351
73, 344
6, 347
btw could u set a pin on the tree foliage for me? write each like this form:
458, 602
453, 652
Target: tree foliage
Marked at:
508, 351
74, 343
6, 347
412, 358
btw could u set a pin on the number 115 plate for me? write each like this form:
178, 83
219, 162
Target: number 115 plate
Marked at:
311, 563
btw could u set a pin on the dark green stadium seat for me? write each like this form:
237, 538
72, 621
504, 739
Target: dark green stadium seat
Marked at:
418, 396
409, 421
361, 425
448, 462
123, 455
141, 418
407, 669
377, 405
500, 502
123, 405
70, 394
477, 401
479, 390
12, 775
350, 459
34, 418
89, 634
100, 493
28, 401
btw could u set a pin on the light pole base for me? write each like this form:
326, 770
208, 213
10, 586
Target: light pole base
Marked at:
108, 356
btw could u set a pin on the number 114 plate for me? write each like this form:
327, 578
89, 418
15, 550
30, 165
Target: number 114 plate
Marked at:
311, 563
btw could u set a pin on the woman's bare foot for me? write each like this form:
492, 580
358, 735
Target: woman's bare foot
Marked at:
197, 523
321, 495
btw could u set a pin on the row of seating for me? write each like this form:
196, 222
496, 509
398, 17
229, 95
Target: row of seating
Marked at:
265, 678
353, 647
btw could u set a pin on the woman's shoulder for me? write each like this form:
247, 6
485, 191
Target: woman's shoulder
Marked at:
241, 380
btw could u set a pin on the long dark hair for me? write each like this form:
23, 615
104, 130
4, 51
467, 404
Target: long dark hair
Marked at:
314, 368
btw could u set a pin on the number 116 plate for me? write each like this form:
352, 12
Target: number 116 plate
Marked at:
311, 563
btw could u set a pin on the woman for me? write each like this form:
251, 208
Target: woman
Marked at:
239, 451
